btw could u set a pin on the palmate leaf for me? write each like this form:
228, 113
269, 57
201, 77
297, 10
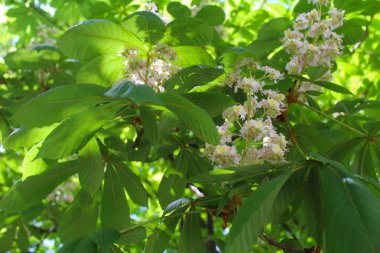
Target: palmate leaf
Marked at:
76, 131
191, 240
211, 14
149, 122
103, 70
192, 55
79, 246
92, 38
253, 216
194, 117
79, 219
91, 167
350, 210
188, 31
159, 239
24, 194
26, 137
131, 182
192, 76
173, 183
105, 238
114, 212
58, 103
213, 103
140, 94
146, 25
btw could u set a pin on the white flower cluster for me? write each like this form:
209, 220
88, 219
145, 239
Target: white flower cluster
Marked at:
313, 42
153, 69
45, 37
248, 135
152, 7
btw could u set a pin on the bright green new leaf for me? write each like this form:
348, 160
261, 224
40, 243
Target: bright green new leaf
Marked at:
104, 70
26, 137
211, 14
191, 55
92, 38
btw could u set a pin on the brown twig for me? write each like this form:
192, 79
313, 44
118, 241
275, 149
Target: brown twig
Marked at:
280, 245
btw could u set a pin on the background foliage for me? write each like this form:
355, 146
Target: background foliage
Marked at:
75, 139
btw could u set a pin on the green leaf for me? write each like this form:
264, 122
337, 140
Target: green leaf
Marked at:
24, 194
58, 103
213, 103
313, 204
325, 84
315, 72
332, 86
26, 137
161, 235
146, 25
105, 238
178, 10
149, 122
32, 59
192, 76
131, 182
350, 210
188, 31
92, 38
140, 94
173, 183
191, 55
133, 235
192, 116
79, 220
73, 134
114, 212
22, 239
104, 70
79, 246
269, 37
91, 167
251, 219
364, 161
6, 238
191, 240
211, 14
32, 166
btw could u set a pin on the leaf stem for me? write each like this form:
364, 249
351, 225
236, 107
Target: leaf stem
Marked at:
333, 119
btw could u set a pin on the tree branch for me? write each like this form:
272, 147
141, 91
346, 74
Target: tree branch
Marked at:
280, 245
